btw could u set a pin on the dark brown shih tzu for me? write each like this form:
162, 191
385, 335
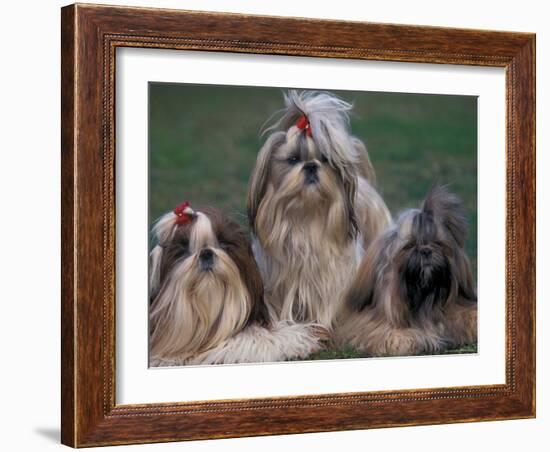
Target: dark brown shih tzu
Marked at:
414, 291
206, 297
312, 207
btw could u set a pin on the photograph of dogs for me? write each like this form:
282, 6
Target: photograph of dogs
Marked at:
206, 297
299, 258
312, 207
414, 291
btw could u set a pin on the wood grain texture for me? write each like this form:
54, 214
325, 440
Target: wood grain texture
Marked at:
68, 244
90, 36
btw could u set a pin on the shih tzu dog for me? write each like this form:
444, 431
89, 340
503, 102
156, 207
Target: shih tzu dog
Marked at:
414, 291
312, 207
206, 297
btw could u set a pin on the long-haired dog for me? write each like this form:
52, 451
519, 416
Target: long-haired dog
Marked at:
312, 207
206, 297
414, 291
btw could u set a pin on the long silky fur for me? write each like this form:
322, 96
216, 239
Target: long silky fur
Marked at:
191, 315
215, 316
280, 341
308, 241
388, 312
163, 231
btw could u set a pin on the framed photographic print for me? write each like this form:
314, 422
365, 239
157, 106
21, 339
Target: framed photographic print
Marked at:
282, 225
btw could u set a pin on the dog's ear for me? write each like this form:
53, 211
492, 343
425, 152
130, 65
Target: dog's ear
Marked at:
464, 277
365, 166
154, 276
255, 285
449, 210
257, 184
163, 231
238, 248
350, 189
362, 290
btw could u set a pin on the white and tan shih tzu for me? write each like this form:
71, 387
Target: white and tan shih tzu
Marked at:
312, 207
206, 297
414, 292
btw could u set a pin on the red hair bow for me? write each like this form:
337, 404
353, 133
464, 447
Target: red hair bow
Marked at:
303, 124
184, 213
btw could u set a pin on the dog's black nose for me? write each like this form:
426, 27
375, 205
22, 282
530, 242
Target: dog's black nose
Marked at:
426, 252
206, 259
311, 168
310, 173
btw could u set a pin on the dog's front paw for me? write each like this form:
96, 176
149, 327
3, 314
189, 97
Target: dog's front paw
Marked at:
400, 343
319, 331
316, 338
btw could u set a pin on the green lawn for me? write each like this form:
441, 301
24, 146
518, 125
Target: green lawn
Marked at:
350, 352
204, 141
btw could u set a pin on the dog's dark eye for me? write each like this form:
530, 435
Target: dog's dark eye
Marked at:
226, 246
293, 159
324, 159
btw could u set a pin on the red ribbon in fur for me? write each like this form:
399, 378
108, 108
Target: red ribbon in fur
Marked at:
182, 217
303, 124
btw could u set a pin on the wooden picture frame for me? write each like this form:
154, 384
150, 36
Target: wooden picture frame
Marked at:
90, 36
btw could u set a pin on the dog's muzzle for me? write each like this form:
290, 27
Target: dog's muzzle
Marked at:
206, 259
311, 173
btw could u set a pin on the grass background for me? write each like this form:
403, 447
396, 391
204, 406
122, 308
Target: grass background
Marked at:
203, 143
